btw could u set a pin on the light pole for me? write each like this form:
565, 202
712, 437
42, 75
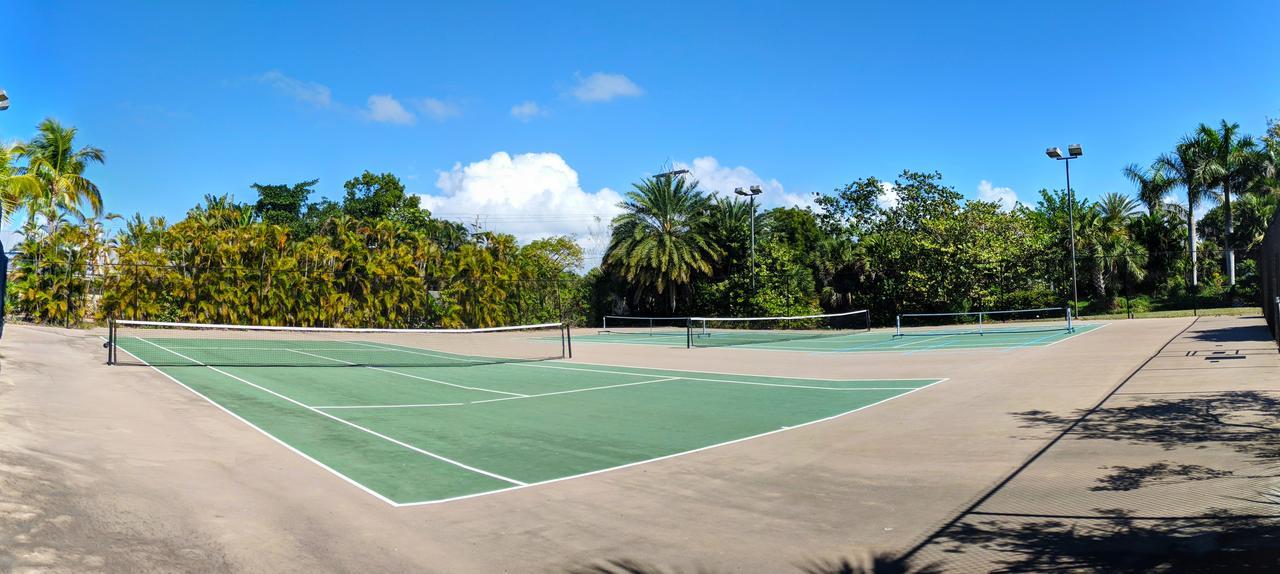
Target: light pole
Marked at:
751, 196
1074, 151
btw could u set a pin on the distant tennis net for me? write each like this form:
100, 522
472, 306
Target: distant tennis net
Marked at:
650, 326
1045, 319
164, 344
729, 331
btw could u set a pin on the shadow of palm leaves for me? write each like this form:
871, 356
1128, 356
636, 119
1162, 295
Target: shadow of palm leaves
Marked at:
882, 563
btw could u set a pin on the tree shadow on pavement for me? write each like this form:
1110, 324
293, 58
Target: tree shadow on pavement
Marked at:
1221, 543
1247, 422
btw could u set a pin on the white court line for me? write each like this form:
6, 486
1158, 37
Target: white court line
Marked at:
410, 406
542, 366
1031, 342
545, 365
207, 348
419, 405
1079, 332
560, 479
405, 374
346, 422
662, 380
423, 353
304, 455
666, 457
792, 377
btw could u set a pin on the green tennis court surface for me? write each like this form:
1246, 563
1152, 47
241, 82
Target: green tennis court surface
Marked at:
421, 434
881, 340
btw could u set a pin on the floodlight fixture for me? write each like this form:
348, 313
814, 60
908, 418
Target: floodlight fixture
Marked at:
740, 191
1075, 151
755, 190
4, 101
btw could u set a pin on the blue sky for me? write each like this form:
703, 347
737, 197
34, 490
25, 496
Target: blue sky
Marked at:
580, 99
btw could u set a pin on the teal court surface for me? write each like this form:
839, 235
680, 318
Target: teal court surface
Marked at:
850, 341
415, 425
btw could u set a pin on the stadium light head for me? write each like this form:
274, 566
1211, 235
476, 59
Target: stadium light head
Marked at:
1075, 150
4, 101
755, 190
1053, 153
740, 191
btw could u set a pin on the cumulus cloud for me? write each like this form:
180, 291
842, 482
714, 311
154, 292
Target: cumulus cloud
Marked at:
1001, 195
527, 110
888, 197
602, 87
383, 108
531, 196
722, 180
438, 110
312, 93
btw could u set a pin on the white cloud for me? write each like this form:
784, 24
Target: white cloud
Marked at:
312, 93
438, 110
888, 198
531, 196
527, 110
722, 180
602, 87
1001, 195
383, 108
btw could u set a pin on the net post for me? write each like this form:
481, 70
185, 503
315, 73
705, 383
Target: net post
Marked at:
1070, 328
868, 317
568, 339
981, 315
688, 332
111, 341
604, 323
897, 326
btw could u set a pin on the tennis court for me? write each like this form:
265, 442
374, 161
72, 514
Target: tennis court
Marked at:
424, 416
849, 332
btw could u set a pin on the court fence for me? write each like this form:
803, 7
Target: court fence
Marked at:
1269, 277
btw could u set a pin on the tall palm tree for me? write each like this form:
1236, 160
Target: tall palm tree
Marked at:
1185, 167
16, 187
1227, 162
728, 225
658, 241
1107, 238
58, 167
1153, 184
1117, 209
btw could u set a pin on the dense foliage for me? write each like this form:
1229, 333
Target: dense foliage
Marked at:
374, 257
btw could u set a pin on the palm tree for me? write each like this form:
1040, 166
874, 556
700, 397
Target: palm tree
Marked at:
1227, 161
1184, 168
16, 187
1105, 230
58, 168
1153, 184
658, 241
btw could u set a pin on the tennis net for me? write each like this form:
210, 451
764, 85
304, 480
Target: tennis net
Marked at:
984, 322
163, 344
728, 331
650, 326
